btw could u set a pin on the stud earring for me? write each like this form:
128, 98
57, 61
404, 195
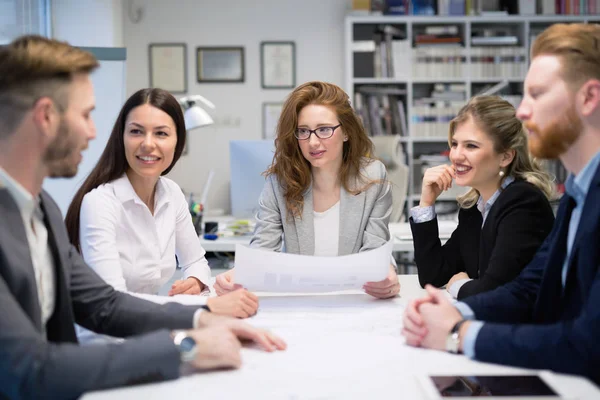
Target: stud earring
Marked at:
501, 173
345, 138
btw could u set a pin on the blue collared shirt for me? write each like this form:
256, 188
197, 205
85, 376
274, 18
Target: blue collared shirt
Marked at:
576, 187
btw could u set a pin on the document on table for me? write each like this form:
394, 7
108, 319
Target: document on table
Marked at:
269, 271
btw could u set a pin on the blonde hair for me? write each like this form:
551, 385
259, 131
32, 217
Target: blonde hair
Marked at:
32, 67
497, 118
290, 167
578, 48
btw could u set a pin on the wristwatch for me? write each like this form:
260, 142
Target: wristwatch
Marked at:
186, 345
453, 340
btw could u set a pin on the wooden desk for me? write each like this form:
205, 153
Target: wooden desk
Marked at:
400, 232
344, 346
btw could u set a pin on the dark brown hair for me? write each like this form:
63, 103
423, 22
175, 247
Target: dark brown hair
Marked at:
113, 163
32, 67
289, 165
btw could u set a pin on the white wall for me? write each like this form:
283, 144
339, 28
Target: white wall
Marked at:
316, 26
90, 23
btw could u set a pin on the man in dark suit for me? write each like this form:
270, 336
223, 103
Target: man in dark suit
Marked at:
46, 97
549, 316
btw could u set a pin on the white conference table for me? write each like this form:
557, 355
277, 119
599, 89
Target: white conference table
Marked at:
401, 234
340, 346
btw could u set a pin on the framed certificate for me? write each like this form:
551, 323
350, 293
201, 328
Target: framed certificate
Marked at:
278, 65
168, 66
271, 113
220, 64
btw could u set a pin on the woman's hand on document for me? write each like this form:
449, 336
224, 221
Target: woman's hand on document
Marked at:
389, 287
224, 283
239, 303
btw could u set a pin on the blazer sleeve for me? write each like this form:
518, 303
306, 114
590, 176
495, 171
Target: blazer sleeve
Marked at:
523, 223
33, 368
568, 346
377, 231
269, 228
513, 302
436, 263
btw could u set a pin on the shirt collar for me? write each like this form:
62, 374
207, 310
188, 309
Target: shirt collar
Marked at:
25, 200
577, 186
125, 192
483, 207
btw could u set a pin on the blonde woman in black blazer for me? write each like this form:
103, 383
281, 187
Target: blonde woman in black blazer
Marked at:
505, 216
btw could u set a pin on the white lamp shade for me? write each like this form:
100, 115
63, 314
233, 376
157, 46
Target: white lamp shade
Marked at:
196, 117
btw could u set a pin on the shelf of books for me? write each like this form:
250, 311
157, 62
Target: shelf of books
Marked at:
409, 75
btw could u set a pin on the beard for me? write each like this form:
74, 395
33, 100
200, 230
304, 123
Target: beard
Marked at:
59, 154
557, 137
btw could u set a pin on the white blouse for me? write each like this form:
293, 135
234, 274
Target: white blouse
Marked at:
133, 250
327, 231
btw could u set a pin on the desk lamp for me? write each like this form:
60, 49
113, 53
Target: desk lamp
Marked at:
194, 115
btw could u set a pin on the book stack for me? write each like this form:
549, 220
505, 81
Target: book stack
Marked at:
430, 115
381, 110
492, 62
570, 7
385, 56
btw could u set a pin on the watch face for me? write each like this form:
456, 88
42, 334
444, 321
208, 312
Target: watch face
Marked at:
187, 344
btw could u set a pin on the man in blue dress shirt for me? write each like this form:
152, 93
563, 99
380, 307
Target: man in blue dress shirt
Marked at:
549, 316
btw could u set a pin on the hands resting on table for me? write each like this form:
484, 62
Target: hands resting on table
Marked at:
239, 303
428, 320
219, 340
387, 288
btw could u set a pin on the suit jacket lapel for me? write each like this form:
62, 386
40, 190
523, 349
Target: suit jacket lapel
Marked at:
305, 226
550, 296
351, 206
590, 216
13, 241
60, 326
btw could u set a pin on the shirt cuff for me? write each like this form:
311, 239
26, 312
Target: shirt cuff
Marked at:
455, 288
465, 310
196, 322
200, 271
422, 214
470, 338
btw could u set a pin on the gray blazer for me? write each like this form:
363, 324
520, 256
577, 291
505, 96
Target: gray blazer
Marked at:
364, 217
34, 366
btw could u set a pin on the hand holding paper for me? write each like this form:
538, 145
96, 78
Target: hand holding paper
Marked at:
261, 270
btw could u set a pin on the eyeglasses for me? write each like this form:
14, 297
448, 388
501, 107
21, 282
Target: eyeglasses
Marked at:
323, 132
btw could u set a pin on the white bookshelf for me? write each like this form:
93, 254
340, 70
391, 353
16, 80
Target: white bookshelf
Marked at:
470, 74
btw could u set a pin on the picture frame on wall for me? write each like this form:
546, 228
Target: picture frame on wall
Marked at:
278, 65
270, 116
168, 66
220, 64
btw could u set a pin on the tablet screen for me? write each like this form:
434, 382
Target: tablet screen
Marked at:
485, 386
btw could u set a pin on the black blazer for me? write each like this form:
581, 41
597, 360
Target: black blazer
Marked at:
516, 226
34, 366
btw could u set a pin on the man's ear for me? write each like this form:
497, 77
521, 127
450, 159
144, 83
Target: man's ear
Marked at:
46, 117
507, 158
590, 95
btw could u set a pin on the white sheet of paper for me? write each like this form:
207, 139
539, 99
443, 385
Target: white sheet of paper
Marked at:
269, 271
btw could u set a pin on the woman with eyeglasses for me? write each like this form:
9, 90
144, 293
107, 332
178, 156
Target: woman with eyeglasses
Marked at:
323, 191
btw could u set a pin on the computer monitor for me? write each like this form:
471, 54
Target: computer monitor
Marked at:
248, 160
